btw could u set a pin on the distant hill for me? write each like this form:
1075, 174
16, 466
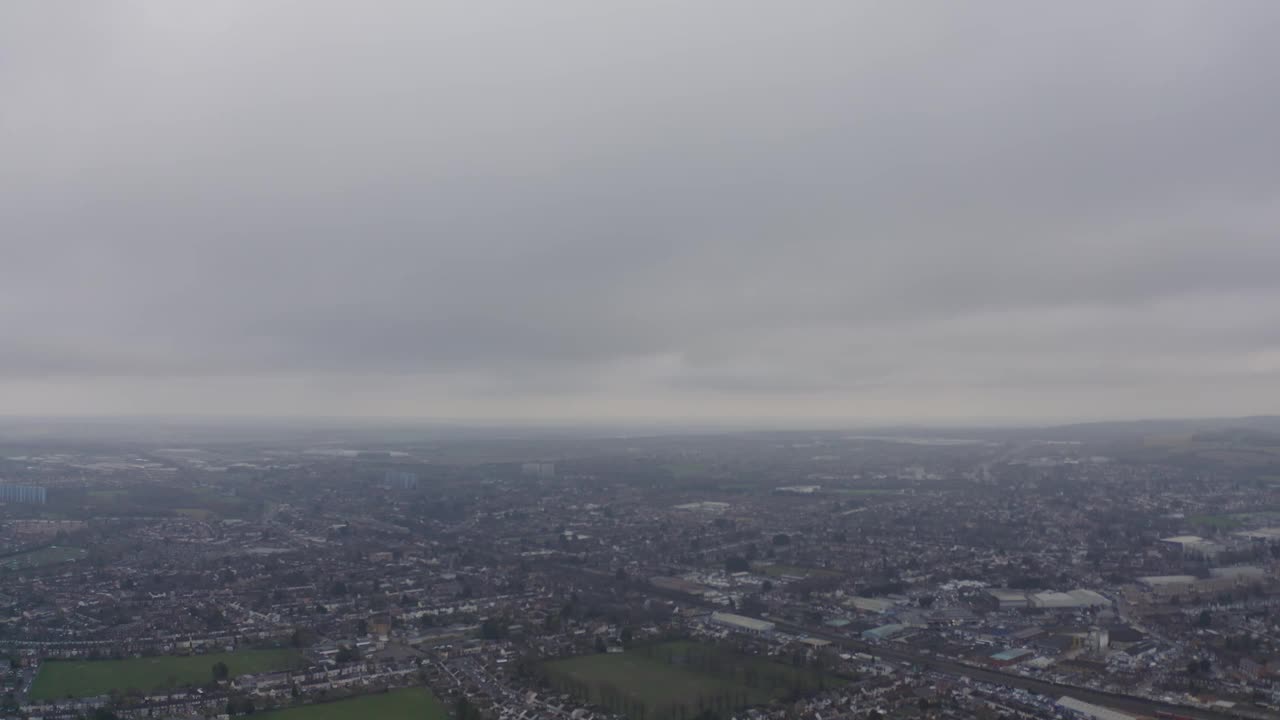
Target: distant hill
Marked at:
1264, 425
1239, 436
1103, 431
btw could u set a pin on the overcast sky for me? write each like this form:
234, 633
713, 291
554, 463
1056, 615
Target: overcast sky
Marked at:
835, 211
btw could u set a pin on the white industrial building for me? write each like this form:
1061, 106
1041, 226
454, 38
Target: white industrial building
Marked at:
1167, 583
1220, 579
1194, 545
538, 469
1099, 640
1009, 599
1266, 533
1089, 710
1238, 573
1071, 600
705, 506
742, 623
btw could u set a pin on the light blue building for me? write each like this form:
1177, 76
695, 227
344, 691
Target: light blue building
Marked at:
401, 480
28, 494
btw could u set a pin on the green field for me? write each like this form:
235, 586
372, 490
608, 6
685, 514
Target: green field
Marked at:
680, 679
417, 703
60, 678
162, 501
107, 494
53, 555
1221, 522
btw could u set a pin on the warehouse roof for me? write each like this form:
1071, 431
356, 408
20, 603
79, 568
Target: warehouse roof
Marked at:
884, 631
742, 621
1012, 654
1238, 572
1089, 597
1158, 580
1090, 710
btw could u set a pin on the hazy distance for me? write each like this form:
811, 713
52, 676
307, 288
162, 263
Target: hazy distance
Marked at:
828, 211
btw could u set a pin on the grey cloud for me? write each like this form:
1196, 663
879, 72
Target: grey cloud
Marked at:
654, 209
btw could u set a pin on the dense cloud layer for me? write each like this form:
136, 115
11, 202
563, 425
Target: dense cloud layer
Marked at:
668, 209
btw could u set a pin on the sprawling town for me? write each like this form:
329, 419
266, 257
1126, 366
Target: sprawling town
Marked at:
1075, 572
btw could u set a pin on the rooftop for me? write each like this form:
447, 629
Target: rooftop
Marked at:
742, 621
1183, 539
1157, 580
1090, 710
884, 631
1012, 654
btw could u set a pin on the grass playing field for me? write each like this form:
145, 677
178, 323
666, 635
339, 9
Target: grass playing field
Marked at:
1219, 522
654, 683
51, 555
60, 678
657, 683
416, 703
